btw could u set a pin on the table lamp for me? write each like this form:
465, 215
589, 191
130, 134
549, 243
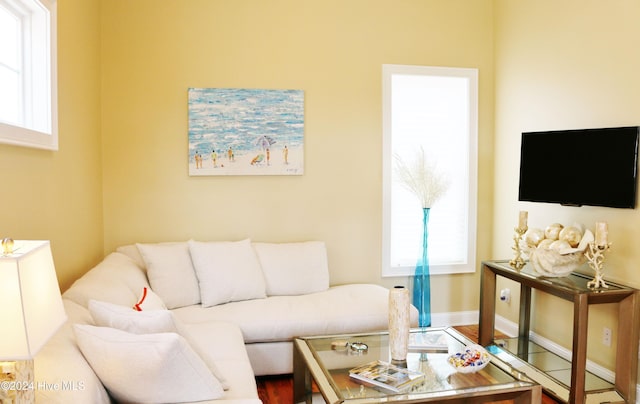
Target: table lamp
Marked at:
32, 311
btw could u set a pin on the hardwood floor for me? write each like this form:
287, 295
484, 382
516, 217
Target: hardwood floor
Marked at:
275, 389
279, 389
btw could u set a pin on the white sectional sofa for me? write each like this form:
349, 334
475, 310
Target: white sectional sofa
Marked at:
214, 315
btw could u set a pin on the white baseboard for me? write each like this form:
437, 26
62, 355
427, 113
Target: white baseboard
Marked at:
511, 329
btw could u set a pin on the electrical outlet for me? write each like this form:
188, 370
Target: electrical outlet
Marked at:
606, 336
505, 295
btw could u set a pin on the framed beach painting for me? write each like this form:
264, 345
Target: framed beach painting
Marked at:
246, 132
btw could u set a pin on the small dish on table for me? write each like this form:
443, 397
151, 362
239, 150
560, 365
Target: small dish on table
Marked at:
473, 359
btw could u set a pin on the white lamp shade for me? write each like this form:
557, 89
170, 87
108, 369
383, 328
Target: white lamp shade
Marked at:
30, 300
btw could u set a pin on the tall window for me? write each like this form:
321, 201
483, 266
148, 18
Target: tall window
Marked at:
430, 110
28, 82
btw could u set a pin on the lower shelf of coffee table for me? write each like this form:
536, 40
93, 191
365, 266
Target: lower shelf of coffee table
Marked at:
551, 371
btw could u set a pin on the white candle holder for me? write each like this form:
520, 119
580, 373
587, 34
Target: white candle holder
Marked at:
595, 256
518, 262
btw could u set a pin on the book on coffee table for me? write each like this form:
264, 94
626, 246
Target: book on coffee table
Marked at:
428, 342
387, 376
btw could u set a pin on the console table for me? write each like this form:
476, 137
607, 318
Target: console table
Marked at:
574, 289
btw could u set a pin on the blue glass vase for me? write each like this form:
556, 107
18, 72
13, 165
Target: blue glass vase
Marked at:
422, 278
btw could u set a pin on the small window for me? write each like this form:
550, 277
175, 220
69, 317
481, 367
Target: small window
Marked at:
28, 100
430, 112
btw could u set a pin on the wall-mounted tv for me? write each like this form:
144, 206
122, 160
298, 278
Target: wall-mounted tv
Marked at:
596, 167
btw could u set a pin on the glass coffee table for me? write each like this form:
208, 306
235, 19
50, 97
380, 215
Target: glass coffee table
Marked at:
327, 360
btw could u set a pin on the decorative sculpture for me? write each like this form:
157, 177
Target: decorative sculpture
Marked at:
518, 262
595, 255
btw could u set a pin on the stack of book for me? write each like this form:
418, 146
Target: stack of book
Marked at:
387, 376
431, 341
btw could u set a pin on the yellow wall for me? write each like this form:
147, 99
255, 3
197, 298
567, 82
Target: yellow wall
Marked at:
561, 65
125, 66
57, 196
334, 51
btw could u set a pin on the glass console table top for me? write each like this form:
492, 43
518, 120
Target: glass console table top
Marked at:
576, 282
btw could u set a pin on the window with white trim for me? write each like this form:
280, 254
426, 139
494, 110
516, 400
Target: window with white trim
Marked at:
28, 77
433, 109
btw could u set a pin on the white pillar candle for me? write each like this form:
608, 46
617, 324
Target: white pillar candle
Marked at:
522, 222
602, 231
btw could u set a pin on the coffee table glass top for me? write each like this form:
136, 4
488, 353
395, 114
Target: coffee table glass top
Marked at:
441, 379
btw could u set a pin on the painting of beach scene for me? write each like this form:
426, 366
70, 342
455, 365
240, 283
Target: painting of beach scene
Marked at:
246, 131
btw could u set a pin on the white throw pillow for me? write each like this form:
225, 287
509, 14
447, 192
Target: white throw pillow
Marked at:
227, 271
146, 368
149, 301
150, 322
294, 268
126, 319
171, 274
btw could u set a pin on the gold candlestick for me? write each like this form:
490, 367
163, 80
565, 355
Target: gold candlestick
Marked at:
595, 256
518, 262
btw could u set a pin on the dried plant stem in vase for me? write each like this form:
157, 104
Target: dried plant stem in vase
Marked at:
422, 178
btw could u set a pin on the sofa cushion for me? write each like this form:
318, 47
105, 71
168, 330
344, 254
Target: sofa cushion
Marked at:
131, 251
221, 347
171, 273
148, 300
146, 368
227, 271
117, 279
341, 309
293, 268
60, 363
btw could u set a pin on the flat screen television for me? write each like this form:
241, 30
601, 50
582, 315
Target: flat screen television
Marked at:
596, 167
